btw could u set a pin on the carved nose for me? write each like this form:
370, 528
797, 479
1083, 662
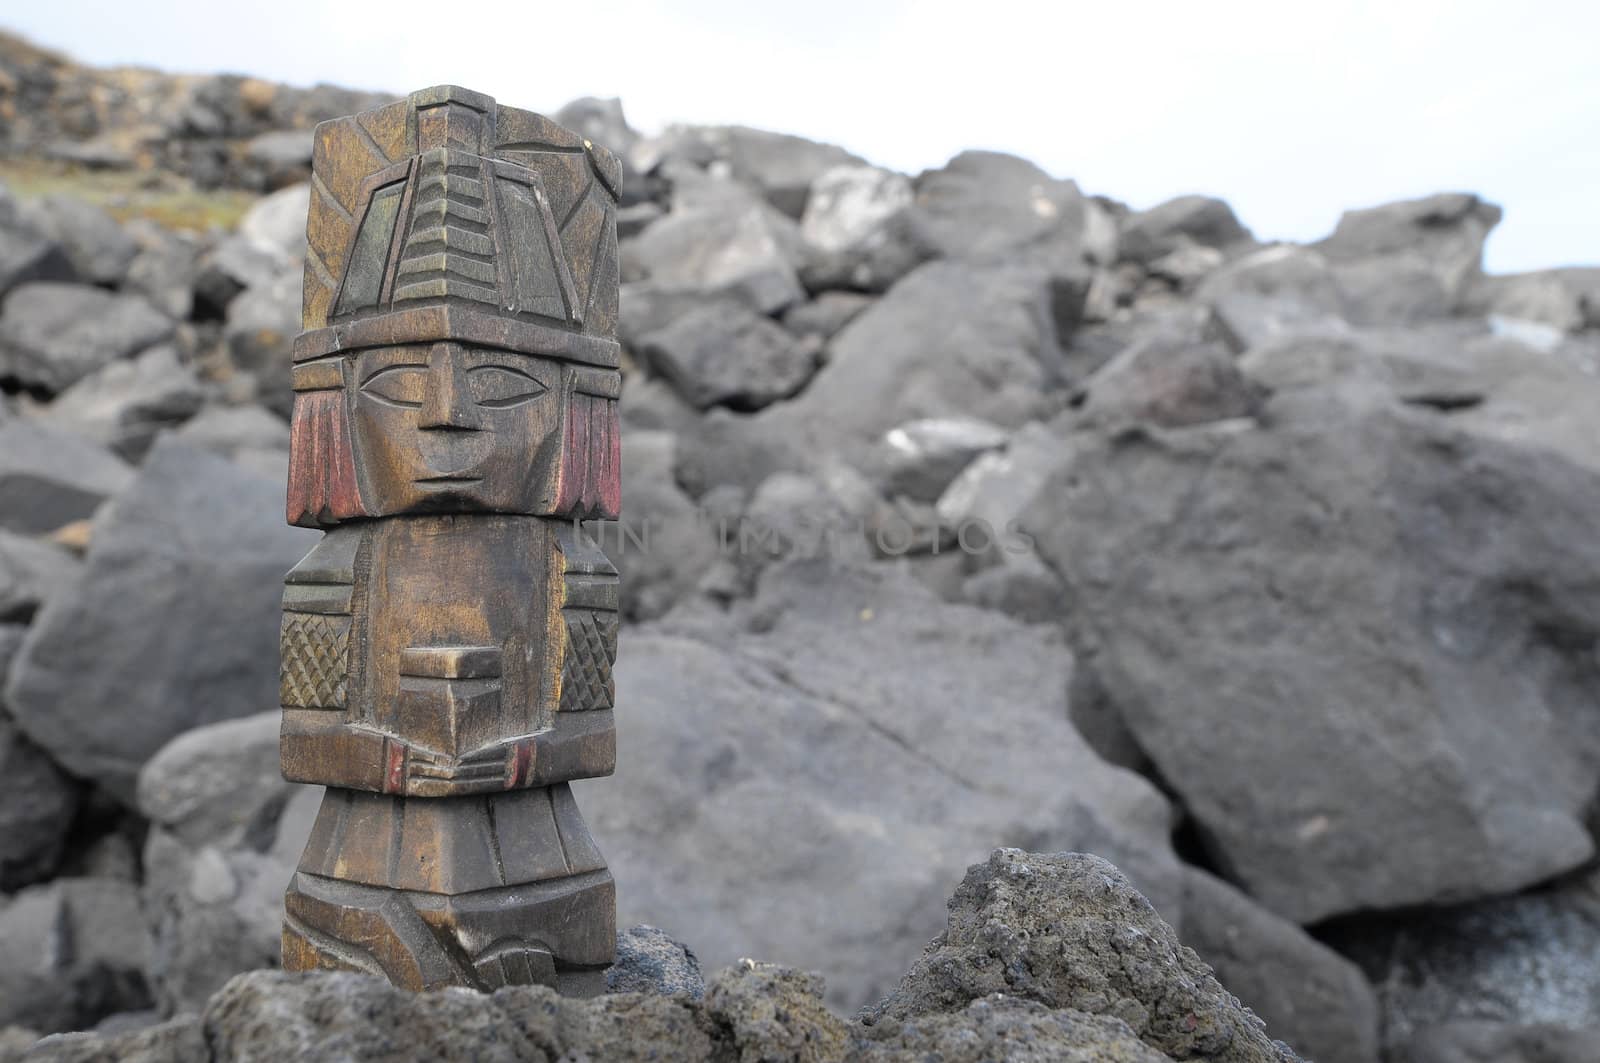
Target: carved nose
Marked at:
448, 403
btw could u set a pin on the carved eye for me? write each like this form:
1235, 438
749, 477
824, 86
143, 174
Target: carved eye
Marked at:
398, 385
499, 386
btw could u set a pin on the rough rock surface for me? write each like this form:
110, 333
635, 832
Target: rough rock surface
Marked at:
650, 961
173, 624
1069, 931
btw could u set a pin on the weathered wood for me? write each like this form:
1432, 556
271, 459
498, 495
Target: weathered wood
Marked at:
447, 646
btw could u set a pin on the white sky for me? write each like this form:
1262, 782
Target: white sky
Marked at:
1291, 110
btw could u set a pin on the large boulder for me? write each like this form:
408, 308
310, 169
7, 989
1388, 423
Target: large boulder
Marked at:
726, 244
1067, 930
98, 248
52, 335
988, 205
860, 231
1147, 236
805, 774
1443, 234
174, 622
50, 476
1343, 644
722, 353
26, 254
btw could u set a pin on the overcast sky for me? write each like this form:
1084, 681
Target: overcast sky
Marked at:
1292, 111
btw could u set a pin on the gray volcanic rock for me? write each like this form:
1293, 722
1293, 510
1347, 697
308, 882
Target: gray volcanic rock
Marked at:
1095, 977
1308, 995
71, 952
780, 166
952, 339
860, 231
1067, 930
601, 120
166, 267
1507, 963
772, 739
1180, 223
1172, 383
826, 314
277, 223
1343, 645
37, 806
262, 324
98, 248
725, 354
173, 624
670, 549
26, 254
226, 834
650, 961
213, 782
1445, 232
1469, 1041
52, 335
178, 1040
731, 245
125, 404
1271, 291
50, 477
986, 205
923, 456
31, 571
1568, 299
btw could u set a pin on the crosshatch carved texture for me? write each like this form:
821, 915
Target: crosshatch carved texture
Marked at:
314, 661
591, 650
455, 411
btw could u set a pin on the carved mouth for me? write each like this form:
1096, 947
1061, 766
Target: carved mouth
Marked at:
450, 481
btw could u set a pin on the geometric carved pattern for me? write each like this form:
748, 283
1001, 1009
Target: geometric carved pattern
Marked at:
591, 649
313, 670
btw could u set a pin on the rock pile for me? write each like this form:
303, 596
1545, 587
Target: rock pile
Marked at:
964, 509
1046, 957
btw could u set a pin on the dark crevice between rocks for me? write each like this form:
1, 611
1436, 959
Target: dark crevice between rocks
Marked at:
1445, 403
101, 828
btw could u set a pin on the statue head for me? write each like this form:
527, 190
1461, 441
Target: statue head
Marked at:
460, 313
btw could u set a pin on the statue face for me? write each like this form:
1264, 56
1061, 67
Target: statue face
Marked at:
445, 427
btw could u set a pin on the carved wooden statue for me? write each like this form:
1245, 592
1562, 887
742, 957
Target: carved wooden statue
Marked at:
447, 646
